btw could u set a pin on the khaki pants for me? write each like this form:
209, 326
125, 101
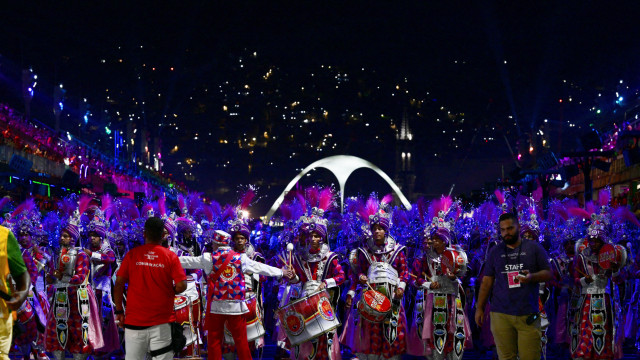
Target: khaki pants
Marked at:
6, 329
514, 338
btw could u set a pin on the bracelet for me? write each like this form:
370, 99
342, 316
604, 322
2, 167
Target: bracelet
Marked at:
118, 312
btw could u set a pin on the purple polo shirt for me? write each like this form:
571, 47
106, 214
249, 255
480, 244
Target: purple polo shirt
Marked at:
503, 263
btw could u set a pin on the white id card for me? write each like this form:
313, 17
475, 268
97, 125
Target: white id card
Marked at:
512, 277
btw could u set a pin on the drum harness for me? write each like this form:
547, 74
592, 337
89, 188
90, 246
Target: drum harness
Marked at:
391, 324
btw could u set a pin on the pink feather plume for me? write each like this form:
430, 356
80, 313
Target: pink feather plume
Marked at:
181, 202
207, 212
325, 199
215, 208
247, 198
162, 205
604, 197
27, 206
4, 201
623, 212
313, 195
228, 213
193, 202
387, 199
537, 194
445, 203
301, 200
83, 203
106, 202
422, 208
500, 196
285, 212
369, 208
582, 213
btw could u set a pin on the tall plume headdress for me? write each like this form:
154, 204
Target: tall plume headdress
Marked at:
445, 212
239, 222
318, 201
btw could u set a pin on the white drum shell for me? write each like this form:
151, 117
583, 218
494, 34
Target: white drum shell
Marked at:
313, 328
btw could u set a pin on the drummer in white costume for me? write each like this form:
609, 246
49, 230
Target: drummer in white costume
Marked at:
226, 292
253, 286
317, 269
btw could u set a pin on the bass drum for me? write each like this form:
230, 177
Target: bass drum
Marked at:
374, 306
453, 260
187, 307
308, 317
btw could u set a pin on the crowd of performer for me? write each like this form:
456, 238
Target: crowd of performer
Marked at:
368, 282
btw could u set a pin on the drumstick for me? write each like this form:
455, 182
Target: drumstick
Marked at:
290, 249
583, 274
427, 276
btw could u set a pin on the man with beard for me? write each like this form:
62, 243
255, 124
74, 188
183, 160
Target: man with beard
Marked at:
512, 273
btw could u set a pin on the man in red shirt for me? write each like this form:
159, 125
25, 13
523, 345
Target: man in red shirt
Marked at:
151, 272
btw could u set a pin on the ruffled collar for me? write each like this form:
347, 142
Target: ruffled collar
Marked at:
309, 257
389, 245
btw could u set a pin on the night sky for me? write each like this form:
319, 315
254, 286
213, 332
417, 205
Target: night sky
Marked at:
485, 73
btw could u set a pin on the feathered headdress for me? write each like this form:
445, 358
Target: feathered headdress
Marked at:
240, 222
319, 200
445, 213
528, 215
599, 217
486, 217
377, 213
72, 225
25, 218
98, 223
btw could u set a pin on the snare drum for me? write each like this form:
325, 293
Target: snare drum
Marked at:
255, 327
374, 306
26, 312
185, 311
382, 273
308, 318
453, 260
606, 256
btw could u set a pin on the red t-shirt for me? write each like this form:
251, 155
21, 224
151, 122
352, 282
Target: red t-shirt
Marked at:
151, 271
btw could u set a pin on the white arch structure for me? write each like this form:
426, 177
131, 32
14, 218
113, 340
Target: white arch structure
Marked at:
342, 166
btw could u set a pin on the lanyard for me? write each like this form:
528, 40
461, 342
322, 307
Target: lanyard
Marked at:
506, 257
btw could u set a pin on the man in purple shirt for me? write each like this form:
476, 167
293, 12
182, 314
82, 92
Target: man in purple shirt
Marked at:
512, 273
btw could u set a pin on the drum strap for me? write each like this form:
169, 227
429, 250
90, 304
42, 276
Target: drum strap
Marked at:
84, 310
460, 335
61, 315
391, 327
598, 319
419, 312
574, 321
439, 318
